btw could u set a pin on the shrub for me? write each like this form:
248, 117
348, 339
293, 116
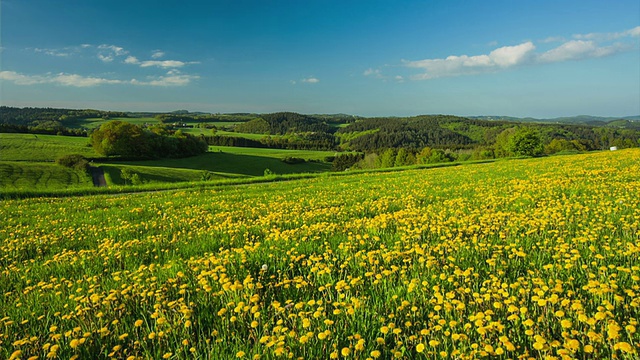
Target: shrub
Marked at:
293, 160
73, 161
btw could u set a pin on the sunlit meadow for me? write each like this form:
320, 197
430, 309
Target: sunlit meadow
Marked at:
523, 259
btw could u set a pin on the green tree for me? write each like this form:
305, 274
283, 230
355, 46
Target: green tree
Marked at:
387, 159
525, 142
404, 158
119, 138
423, 156
501, 146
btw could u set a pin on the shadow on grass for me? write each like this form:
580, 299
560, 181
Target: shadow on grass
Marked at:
221, 162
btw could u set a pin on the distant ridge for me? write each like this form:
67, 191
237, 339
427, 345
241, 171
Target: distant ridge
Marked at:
578, 119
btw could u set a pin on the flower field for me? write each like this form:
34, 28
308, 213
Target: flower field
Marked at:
533, 258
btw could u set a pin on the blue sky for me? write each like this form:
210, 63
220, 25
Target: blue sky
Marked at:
370, 58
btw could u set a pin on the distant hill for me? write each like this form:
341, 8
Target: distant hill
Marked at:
625, 122
579, 119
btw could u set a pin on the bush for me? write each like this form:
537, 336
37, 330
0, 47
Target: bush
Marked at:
130, 177
293, 160
73, 161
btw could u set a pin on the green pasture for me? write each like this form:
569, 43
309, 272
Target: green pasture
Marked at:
92, 123
40, 176
159, 174
316, 155
242, 161
31, 147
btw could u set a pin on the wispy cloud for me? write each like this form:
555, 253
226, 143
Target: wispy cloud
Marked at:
310, 80
75, 80
580, 49
609, 36
54, 52
373, 72
108, 53
165, 64
584, 46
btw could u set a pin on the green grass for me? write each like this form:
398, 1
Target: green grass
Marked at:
92, 123
274, 153
242, 161
209, 132
530, 258
16, 175
30, 147
159, 174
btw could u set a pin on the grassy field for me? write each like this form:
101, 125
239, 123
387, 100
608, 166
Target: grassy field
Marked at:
92, 123
39, 176
243, 161
155, 174
26, 161
531, 258
30, 147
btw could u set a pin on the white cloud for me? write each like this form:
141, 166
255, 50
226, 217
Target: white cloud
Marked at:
163, 63
53, 52
500, 58
609, 36
171, 79
58, 79
131, 60
105, 58
20, 79
580, 49
81, 81
115, 49
584, 46
157, 54
310, 80
107, 53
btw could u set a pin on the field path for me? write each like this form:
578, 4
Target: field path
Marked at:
97, 174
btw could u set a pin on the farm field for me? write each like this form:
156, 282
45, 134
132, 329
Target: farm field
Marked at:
26, 162
514, 259
244, 161
92, 123
30, 147
38, 176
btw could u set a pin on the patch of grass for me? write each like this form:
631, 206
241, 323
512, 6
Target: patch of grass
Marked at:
157, 174
243, 161
31, 147
274, 153
16, 175
92, 123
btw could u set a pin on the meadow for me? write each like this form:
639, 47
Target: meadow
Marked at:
533, 258
31, 147
239, 161
26, 162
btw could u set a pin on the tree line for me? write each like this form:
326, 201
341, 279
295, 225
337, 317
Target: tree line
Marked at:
123, 139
